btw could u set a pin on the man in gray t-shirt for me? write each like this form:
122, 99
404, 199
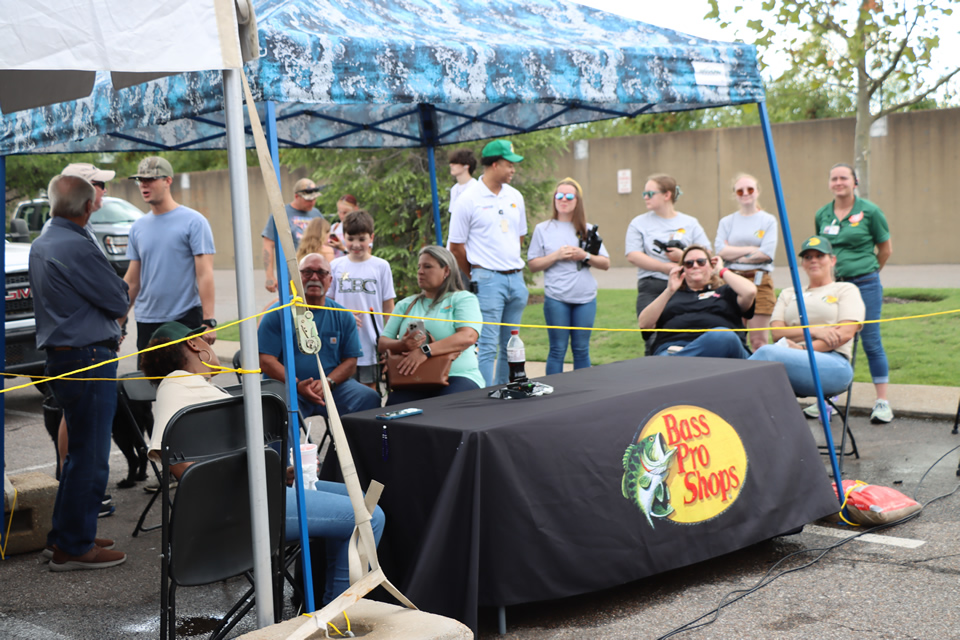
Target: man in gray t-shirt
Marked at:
171, 258
299, 214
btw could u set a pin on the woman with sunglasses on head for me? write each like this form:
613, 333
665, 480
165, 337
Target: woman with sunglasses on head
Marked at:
570, 290
860, 236
747, 241
656, 239
700, 294
442, 298
827, 302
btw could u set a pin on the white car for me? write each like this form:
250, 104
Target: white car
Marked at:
22, 355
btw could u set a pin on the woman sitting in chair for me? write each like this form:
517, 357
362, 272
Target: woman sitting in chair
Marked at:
328, 509
827, 302
441, 297
701, 294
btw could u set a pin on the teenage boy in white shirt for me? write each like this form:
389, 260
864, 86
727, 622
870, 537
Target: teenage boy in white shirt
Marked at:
363, 282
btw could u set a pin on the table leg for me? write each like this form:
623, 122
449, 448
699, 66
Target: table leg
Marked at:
502, 621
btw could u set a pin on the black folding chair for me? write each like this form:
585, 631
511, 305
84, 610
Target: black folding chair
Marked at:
131, 393
207, 530
841, 450
269, 385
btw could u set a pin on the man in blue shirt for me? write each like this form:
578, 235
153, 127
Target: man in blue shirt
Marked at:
339, 350
171, 258
79, 302
299, 214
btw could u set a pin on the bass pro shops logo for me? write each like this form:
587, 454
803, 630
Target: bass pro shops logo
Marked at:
686, 465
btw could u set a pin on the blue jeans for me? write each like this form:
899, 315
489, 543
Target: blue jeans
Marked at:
350, 396
564, 314
457, 384
713, 344
330, 515
835, 372
872, 293
502, 299
88, 407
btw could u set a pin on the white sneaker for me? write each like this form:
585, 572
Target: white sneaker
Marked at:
882, 413
812, 412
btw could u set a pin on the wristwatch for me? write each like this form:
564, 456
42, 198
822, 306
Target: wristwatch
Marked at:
425, 348
210, 322
587, 259
332, 383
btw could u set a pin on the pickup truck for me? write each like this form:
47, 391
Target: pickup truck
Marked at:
23, 358
111, 224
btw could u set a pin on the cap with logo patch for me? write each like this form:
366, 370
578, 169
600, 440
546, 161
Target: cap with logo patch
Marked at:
502, 149
153, 167
817, 243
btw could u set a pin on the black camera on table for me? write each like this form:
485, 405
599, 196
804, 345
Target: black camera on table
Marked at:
669, 244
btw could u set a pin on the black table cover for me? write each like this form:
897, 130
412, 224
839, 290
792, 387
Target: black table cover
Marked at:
500, 502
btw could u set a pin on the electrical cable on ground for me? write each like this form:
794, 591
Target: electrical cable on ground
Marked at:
764, 581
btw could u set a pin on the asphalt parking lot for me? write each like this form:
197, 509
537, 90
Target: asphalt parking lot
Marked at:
885, 588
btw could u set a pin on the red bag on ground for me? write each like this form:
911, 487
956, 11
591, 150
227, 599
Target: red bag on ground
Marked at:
871, 504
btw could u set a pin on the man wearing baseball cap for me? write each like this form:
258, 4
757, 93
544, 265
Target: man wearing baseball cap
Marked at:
487, 225
299, 213
99, 179
171, 258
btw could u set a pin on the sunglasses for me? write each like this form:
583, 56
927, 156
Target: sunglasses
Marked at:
561, 196
745, 192
309, 194
650, 194
100, 185
700, 262
306, 274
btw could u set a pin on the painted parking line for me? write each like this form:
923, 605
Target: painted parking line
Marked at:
905, 543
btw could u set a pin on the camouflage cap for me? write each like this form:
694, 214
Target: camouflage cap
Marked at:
153, 167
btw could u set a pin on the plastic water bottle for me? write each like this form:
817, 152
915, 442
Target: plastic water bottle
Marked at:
516, 357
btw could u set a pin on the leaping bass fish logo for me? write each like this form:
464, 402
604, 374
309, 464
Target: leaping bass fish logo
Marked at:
645, 467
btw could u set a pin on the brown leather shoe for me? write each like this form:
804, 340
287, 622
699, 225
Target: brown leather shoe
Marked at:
96, 558
103, 543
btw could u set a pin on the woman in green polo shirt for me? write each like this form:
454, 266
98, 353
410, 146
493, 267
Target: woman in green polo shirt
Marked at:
441, 298
858, 231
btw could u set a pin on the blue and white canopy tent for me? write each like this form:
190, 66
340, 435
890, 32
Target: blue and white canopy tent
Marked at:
413, 73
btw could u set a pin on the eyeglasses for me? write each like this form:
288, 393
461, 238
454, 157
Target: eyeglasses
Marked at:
562, 196
650, 194
812, 255
306, 274
100, 185
745, 192
700, 262
146, 180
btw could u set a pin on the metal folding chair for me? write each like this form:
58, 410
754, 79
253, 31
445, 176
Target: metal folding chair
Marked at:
841, 450
207, 530
129, 391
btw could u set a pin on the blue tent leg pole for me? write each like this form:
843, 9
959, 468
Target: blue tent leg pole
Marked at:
293, 408
3, 354
431, 156
795, 277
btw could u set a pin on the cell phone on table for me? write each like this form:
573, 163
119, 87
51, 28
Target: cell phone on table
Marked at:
402, 413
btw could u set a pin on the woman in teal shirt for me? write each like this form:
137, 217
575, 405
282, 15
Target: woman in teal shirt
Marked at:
858, 231
441, 298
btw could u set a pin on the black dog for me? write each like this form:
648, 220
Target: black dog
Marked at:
126, 424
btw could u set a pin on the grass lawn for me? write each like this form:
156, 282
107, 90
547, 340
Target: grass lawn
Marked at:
921, 351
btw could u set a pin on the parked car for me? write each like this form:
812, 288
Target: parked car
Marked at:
20, 328
111, 224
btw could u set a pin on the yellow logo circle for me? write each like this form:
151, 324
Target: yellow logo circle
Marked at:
688, 465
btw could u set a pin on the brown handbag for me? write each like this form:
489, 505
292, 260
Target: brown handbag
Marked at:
433, 373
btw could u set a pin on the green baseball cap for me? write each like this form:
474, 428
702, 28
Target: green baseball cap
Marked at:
817, 243
153, 167
502, 149
175, 331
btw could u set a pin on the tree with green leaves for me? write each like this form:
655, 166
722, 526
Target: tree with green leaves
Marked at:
393, 185
879, 51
